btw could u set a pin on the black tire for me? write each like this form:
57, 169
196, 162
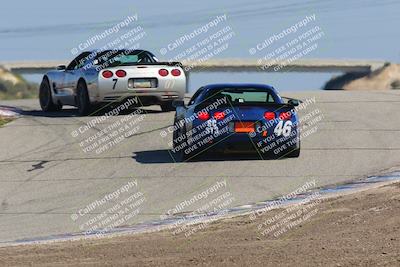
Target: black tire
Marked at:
45, 99
294, 153
179, 155
167, 106
82, 99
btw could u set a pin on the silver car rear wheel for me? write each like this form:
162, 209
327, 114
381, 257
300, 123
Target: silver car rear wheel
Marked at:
167, 106
82, 99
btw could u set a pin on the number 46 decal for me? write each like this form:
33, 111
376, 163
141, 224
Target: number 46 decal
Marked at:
283, 128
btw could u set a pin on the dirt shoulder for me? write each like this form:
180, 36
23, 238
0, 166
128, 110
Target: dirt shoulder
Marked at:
385, 78
358, 229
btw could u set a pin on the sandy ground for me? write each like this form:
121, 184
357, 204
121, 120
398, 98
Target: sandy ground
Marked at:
385, 78
360, 229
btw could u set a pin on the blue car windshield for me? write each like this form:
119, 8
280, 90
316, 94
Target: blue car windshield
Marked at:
242, 96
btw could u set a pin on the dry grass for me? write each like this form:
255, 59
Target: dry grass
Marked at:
4, 120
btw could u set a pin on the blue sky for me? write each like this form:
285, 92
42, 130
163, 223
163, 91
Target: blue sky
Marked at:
354, 29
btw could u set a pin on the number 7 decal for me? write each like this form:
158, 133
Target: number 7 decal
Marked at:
115, 83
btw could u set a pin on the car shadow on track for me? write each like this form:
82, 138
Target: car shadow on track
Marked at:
165, 156
64, 113
72, 112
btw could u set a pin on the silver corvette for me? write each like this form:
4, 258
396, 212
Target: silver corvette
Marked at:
104, 77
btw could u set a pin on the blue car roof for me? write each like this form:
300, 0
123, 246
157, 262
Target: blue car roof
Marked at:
211, 87
238, 85
133, 50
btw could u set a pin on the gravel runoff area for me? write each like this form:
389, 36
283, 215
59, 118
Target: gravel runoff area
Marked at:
359, 229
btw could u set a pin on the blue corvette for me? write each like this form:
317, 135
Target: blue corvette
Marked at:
236, 118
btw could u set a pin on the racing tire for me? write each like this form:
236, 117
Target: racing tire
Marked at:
82, 100
45, 99
179, 156
294, 153
167, 106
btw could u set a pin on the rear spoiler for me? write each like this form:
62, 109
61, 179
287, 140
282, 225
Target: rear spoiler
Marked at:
167, 63
235, 104
289, 98
176, 63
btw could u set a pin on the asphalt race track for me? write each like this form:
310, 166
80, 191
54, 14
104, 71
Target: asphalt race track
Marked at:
45, 177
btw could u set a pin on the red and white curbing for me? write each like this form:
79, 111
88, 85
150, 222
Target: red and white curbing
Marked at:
8, 112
